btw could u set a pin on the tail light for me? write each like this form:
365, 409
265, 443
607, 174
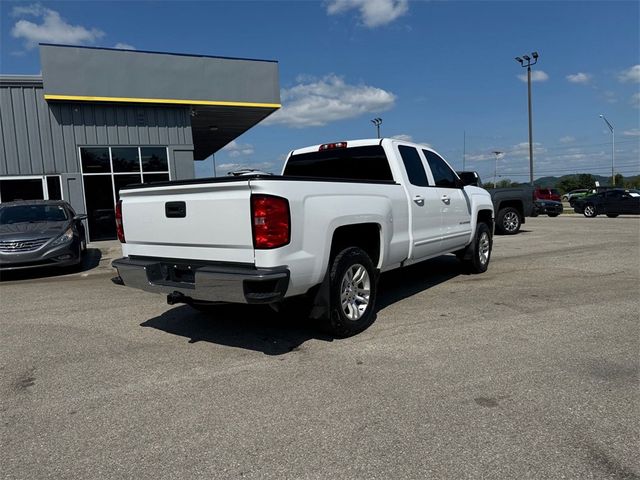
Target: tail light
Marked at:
119, 226
271, 221
332, 146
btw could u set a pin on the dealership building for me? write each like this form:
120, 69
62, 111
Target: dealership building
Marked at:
97, 119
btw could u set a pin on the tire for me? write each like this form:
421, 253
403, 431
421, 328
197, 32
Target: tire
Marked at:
612, 215
552, 215
352, 293
475, 258
589, 210
508, 221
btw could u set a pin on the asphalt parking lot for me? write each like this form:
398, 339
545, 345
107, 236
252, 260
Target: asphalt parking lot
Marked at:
528, 371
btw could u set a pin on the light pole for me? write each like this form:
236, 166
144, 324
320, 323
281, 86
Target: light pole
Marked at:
527, 59
613, 148
495, 171
377, 122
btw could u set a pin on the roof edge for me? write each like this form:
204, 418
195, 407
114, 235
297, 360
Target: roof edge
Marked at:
156, 52
21, 80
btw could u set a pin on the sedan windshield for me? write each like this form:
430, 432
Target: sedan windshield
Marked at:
32, 213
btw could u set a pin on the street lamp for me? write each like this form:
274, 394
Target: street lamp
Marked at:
613, 148
377, 122
495, 171
526, 61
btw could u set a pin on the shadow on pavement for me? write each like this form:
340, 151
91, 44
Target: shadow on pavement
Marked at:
252, 327
90, 261
261, 329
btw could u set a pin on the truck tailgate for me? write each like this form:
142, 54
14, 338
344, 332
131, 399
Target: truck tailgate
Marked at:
203, 221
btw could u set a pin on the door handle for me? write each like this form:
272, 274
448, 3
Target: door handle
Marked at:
419, 200
445, 199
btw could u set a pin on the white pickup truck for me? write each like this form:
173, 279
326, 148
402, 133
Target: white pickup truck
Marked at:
339, 214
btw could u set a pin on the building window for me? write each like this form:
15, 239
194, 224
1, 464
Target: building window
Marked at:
106, 170
30, 188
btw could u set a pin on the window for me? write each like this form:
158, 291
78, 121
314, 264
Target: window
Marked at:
53, 187
154, 159
125, 159
21, 189
95, 160
355, 163
442, 173
413, 165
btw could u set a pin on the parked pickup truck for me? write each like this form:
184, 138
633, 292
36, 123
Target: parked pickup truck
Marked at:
339, 214
512, 204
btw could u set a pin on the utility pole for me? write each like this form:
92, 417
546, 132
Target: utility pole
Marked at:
377, 122
528, 64
613, 148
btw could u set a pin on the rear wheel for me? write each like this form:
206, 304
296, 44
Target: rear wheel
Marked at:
352, 293
612, 215
508, 221
589, 210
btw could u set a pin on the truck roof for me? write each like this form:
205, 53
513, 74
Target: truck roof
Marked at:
360, 143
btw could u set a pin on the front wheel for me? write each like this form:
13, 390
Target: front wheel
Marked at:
589, 210
352, 290
476, 256
508, 221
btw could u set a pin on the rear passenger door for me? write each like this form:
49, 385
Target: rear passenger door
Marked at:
455, 207
425, 221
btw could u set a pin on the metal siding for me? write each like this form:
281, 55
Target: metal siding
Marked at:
182, 165
22, 137
143, 131
33, 131
121, 122
173, 126
90, 124
57, 136
79, 130
46, 140
68, 138
10, 164
112, 129
132, 125
101, 126
152, 126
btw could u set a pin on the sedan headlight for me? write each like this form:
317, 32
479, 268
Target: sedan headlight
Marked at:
64, 238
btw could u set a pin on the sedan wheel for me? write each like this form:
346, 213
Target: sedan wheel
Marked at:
589, 211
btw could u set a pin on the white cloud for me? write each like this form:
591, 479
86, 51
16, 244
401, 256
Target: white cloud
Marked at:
632, 75
579, 78
53, 29
316, 102
403, 137
536, 76
634, 132
635, 100
124, 46
235, 149
568, 139
373, 13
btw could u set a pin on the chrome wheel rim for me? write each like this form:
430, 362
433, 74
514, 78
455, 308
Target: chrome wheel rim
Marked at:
483, 248
511, 221
589, 211
355, 290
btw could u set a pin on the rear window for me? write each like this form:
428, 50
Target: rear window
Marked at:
356, 163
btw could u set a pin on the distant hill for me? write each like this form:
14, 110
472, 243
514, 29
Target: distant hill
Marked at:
552, 182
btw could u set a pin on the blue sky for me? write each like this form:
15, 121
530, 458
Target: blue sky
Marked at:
433, 71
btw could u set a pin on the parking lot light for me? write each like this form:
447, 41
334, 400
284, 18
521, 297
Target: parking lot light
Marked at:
613, 148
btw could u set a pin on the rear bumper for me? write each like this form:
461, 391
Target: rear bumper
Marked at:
209, 282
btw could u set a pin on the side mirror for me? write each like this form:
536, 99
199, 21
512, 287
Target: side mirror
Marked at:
469, 178
82, 216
